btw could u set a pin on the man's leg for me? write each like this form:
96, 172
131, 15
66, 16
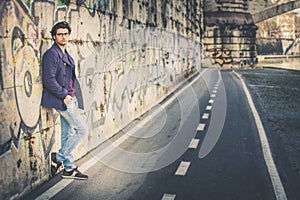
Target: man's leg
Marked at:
55, 163
74, 128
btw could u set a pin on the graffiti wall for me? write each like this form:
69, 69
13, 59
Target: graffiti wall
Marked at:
129, 56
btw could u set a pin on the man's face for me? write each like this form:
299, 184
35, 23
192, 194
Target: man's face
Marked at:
62, 36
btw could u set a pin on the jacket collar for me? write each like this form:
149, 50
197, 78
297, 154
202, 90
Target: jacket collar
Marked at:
66, 58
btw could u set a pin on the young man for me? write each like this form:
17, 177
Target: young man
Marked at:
61, 91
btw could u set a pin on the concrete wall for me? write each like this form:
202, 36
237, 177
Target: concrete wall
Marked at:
123, 68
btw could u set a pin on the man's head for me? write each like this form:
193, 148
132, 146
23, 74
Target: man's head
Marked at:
60, 33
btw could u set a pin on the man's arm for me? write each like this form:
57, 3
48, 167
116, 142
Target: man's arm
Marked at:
49, 70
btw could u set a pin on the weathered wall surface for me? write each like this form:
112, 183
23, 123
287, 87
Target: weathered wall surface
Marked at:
123, 68
229, 34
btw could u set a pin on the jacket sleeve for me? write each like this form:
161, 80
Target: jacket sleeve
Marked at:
49, 71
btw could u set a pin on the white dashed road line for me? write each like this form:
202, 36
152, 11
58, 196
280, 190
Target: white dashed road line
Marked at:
205, 116
182, 168
208, 107
168, 196
194, 144
184, 165
201, 127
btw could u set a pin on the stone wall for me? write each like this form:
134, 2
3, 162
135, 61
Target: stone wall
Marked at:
130, 54
229, 33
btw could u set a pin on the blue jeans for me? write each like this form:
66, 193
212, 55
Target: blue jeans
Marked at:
73, 129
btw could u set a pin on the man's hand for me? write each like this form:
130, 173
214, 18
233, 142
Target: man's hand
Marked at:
68, 99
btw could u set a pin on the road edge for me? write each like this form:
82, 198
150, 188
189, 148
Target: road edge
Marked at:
272, 170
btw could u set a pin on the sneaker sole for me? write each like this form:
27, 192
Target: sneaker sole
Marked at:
50, 166
73, 177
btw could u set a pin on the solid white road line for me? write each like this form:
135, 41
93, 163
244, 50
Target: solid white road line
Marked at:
55, 189
194, 144
201, 127
168, 196
182, 168
273, 173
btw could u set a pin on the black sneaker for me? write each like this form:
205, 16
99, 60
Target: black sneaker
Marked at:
74, 174
54, 164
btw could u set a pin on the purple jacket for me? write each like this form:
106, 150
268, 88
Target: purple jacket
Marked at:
57, 71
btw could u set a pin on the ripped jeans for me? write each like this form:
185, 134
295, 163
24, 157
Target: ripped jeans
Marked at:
73, 129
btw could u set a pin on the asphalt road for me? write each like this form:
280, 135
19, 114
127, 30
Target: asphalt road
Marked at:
203, 144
